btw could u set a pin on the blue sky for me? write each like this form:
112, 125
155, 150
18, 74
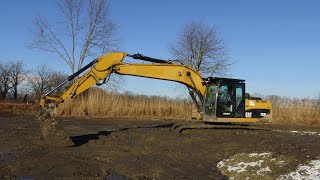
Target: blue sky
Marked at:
275, 44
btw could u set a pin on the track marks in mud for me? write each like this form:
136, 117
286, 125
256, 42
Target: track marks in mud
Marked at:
142, 149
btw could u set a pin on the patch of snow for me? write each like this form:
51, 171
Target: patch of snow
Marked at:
307, 171
259, 155
263, 170
242, 166
255, 163
280, 163
305, 133
253, 154
310, 133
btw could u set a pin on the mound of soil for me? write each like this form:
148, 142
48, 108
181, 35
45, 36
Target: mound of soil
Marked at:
53, 133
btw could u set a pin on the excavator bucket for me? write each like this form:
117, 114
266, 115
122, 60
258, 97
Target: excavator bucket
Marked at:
51, 130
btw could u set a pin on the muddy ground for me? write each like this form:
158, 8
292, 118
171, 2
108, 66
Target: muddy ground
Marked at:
145, 149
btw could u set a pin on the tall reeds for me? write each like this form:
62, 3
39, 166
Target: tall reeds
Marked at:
295, 111
99, 103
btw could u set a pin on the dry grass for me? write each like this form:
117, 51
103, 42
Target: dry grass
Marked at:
99, 103
9, 106
296, 113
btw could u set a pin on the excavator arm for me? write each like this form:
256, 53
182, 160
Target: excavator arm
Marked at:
169, 72
100, 68
103, 66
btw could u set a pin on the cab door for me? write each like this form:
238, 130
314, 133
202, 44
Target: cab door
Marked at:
210, 101
240, 100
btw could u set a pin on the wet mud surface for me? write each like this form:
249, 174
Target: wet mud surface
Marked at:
142, 149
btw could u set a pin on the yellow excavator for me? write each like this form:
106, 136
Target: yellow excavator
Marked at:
215, 99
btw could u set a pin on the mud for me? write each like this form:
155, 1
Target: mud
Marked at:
144, 149
53, 133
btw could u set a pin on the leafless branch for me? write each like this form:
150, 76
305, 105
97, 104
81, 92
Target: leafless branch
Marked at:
88, 32
199, 46
5, 84
18, 74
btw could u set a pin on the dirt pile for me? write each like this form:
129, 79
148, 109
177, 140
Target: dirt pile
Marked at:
52, 131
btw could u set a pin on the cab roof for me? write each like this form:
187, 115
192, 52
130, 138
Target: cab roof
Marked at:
214, 79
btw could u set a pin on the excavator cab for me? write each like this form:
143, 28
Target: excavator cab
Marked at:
224, 98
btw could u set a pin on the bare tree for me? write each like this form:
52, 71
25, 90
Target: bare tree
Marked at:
5, 83
56, 78
17, 75
199, 46
44, 80
39, 81
87, 32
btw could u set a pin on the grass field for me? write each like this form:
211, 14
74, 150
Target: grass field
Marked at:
296, 115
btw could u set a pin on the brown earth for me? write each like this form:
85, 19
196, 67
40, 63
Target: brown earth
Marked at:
142, 149
18, 106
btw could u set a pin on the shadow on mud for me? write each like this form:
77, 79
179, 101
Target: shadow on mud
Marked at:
227, 123
84, 139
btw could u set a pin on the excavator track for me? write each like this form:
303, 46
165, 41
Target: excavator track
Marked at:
206, 125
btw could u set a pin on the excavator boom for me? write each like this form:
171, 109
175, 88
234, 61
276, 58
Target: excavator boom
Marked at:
100, 69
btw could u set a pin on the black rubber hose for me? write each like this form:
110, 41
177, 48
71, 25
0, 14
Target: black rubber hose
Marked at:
146, 58
71, 77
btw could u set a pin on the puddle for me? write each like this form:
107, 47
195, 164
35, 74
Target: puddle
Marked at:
116, 176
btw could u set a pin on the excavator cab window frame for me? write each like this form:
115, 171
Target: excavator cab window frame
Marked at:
233, 108
210, 99
229, 108
240, 108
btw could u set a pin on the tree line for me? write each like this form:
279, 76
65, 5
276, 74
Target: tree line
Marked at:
21, 84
